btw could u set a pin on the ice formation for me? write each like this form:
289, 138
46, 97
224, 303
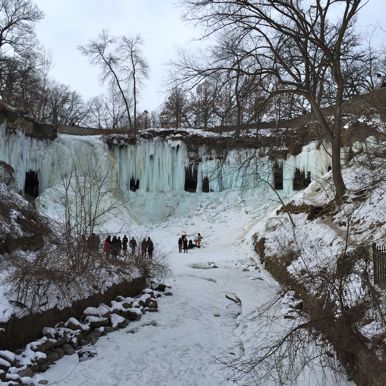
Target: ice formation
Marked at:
156, 165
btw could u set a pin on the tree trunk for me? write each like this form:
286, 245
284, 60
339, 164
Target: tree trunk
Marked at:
340, 187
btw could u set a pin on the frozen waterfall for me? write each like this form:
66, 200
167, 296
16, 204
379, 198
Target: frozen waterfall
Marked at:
158, 165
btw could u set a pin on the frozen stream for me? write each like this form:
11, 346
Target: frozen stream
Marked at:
181, 344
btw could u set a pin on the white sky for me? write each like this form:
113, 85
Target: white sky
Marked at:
70, 23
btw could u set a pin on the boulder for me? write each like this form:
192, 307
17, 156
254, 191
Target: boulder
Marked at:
52, 357
68, 349
4, 364
25, 372
59, 351
160, 287
96, 321
44, 345
86, 354
151, 303
8, 356
108, 329
134, 314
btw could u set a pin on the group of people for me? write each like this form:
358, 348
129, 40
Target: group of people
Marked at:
184, 244
115, 246
92, 242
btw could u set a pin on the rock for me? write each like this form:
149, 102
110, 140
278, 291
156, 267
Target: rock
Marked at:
86, 354
44, 367
74, 343
12, 377
43, 382
26, 372
151, 303
160, 287
149, 292
109, 329
34, 367
52, 357
123, 324
298, 305
96, 322
133, 315
27, 381
73, 324
8, 356
59, 351
45, 346
61, 341
168, 293
4, 364
82, 341
68, 349
97, 333
92, 339
151, 309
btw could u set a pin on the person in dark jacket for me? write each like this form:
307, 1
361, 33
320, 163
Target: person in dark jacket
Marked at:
133, 245
143, 248
119, 245
180, 244
150, 248
114, 246
125, 241
185, 244
190, 244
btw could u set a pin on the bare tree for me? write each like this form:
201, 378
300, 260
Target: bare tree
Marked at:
122, 65
290, 45
86, 196
17, 20
135, 66
102, 53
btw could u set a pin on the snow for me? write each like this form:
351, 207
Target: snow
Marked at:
199, 325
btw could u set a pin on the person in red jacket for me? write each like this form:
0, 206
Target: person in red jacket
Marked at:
106, 246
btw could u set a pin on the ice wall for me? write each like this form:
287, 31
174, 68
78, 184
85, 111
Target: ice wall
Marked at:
157, 165
51, 159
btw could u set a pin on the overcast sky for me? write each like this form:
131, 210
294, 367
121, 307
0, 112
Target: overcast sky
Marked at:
70, 23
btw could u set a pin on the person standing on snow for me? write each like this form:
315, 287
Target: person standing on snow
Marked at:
180, 244
119, 245
185, 243
133, 245
143, 248
125, 240
107, 245
198, 240
150, 247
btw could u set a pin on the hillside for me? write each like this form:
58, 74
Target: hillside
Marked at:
323, 250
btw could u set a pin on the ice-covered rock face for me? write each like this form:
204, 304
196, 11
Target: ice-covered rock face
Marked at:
157, 165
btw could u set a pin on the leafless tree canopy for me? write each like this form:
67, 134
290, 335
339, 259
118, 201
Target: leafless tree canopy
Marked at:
301, 49
17, 20
122, 65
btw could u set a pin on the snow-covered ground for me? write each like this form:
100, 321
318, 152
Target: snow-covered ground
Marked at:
198, 327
